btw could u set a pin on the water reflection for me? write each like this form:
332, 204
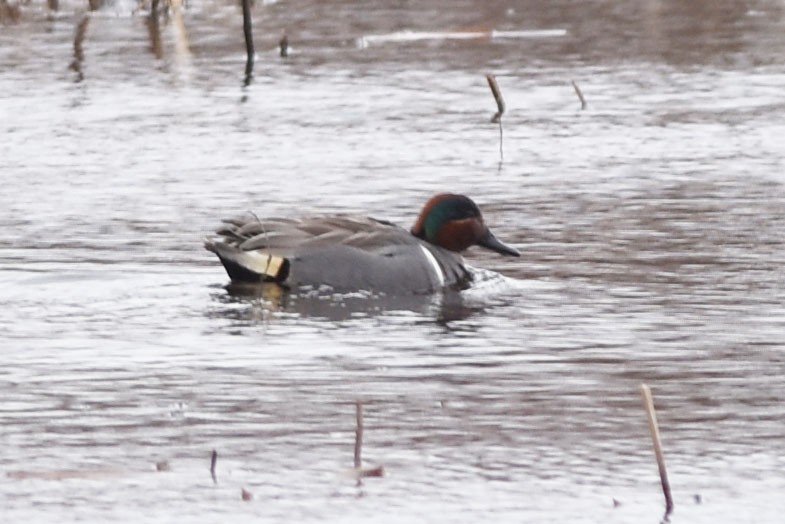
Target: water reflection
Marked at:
9, 13
154, 31
183, 60
268, 301
675, 32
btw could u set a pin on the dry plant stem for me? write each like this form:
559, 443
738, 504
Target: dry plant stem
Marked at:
358, 436
79, 36
648, 404
248, 31
213, 460
580, 94
497, 95
500, 107
358, 472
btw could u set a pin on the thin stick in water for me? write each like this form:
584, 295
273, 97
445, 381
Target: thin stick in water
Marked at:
248, 31
654, 429
497, 95
359, 472
79, 36
500, 107
579, 93
213, 460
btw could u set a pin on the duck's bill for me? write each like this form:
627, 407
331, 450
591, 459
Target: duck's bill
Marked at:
489, 241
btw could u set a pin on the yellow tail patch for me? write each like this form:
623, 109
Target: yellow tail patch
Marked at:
265, 264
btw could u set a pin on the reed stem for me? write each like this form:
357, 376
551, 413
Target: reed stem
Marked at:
248, 32
648, 404
580, 94
500, 107
213, 460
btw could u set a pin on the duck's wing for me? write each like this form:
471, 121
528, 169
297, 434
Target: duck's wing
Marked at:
282, 235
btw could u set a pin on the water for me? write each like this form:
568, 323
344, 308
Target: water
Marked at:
650, 224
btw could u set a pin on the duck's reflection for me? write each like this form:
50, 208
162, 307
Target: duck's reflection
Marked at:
268, 301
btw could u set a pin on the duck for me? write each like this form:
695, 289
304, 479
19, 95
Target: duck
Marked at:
349, 253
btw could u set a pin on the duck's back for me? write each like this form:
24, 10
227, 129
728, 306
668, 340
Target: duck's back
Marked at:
343, 252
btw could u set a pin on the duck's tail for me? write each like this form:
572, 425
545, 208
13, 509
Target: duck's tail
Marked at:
249, 266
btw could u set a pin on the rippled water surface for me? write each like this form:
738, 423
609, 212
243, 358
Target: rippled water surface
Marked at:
651, 224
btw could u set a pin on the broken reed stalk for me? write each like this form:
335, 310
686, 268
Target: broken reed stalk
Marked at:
497, 118
213, 460
579, 93
359, 472
358, 436
654, 429
497, 95
248, 31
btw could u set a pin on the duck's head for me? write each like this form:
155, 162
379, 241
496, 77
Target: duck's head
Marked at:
454, 222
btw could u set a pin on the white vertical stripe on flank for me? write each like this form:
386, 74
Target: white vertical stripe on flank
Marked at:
434, 264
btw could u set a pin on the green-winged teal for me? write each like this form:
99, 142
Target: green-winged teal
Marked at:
352, 253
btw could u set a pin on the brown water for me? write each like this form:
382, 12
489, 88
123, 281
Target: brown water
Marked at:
651, 225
